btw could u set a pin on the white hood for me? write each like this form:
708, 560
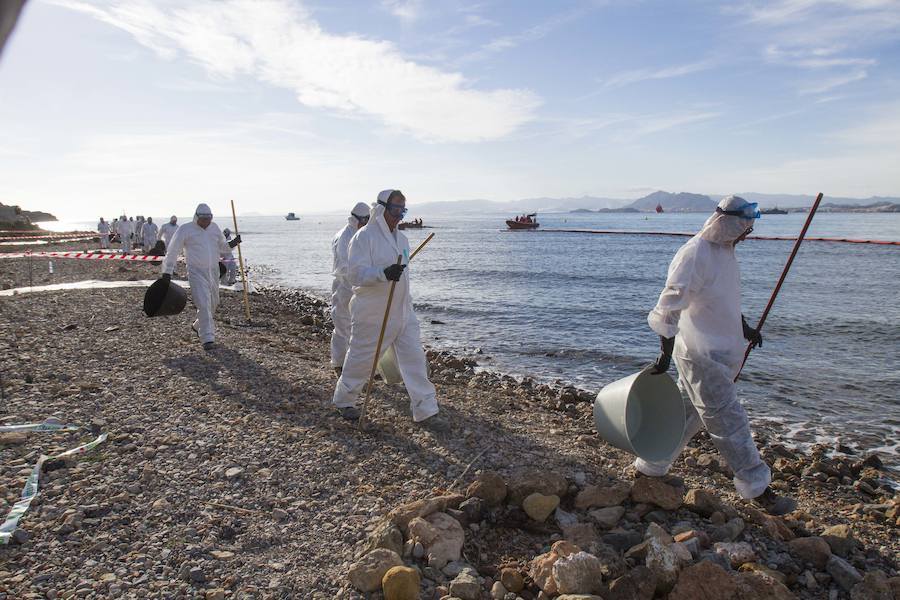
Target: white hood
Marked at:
202, 209
724, 229
360, 210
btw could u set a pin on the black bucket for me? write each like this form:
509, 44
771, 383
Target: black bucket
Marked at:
164, 298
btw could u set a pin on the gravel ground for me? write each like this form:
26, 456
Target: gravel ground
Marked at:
229, 470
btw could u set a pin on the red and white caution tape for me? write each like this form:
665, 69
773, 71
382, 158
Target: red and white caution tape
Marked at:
50, 236
30, 491
85, 256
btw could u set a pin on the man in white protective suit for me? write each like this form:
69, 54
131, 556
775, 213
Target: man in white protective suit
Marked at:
341, 288
124, 230
103, 230
698, 319
202, 242
372, 267
149, 232
167, 231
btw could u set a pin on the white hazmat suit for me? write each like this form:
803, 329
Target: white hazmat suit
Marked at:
124, 230
341, 288
167, 231
701, 307
372, 249
202, 248
149, 233
103, 230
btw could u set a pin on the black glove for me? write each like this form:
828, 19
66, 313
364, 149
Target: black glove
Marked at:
166, 276
664, 360
394, 272
751, 335
235, 241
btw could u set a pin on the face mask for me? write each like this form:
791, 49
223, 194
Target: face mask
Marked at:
361, 220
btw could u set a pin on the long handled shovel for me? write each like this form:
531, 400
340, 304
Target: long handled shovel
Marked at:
241, 265
384, 322
784, 272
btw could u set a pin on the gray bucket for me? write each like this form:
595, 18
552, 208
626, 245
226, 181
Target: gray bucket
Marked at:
642, 414
164, 298
387, 367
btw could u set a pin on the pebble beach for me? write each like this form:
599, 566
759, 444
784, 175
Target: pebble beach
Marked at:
227, 474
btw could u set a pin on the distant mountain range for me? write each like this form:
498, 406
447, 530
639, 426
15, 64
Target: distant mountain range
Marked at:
671, 202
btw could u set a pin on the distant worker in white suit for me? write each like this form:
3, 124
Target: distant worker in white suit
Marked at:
149, 232
341, 288
372, 267
168, 230
698, 318
203, 243
103, 230
124, 230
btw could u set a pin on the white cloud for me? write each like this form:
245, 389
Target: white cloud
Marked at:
880, 129
829, 83
637, 75
531, 34
278, 42
405, 10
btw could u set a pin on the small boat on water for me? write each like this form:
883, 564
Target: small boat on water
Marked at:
414, 224
774, 211
659, 208
524, 222
292, 217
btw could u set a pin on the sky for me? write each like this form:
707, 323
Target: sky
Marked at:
150, 107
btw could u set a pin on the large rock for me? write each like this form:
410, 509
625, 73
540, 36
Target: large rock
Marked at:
401, 583
524, 484
813, 550
512, 580
704, 581
466, 586
608, 517
653, 490
367, 573
386, 535
703, 502
490, 487
579, 573
752, 586
736, 553
874, 586
638, 584
663, 563
840, 539
843, 573
539, 507
402, 515
541, 567
441, 535
602, 496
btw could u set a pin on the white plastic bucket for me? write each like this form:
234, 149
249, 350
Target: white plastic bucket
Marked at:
642, 414
387, 367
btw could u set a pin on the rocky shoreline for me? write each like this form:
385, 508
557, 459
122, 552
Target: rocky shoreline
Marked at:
228, 475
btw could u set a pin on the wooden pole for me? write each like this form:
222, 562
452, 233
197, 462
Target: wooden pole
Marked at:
241, 265
387, 312
784, 272
422, 245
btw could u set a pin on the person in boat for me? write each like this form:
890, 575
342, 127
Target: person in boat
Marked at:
341, 288
698, 320
203, 243
372, 261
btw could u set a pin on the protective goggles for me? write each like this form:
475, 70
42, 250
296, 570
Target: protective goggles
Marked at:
362, 220
748, 211
393, 208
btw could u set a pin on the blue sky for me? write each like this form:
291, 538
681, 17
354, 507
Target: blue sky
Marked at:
312, 106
